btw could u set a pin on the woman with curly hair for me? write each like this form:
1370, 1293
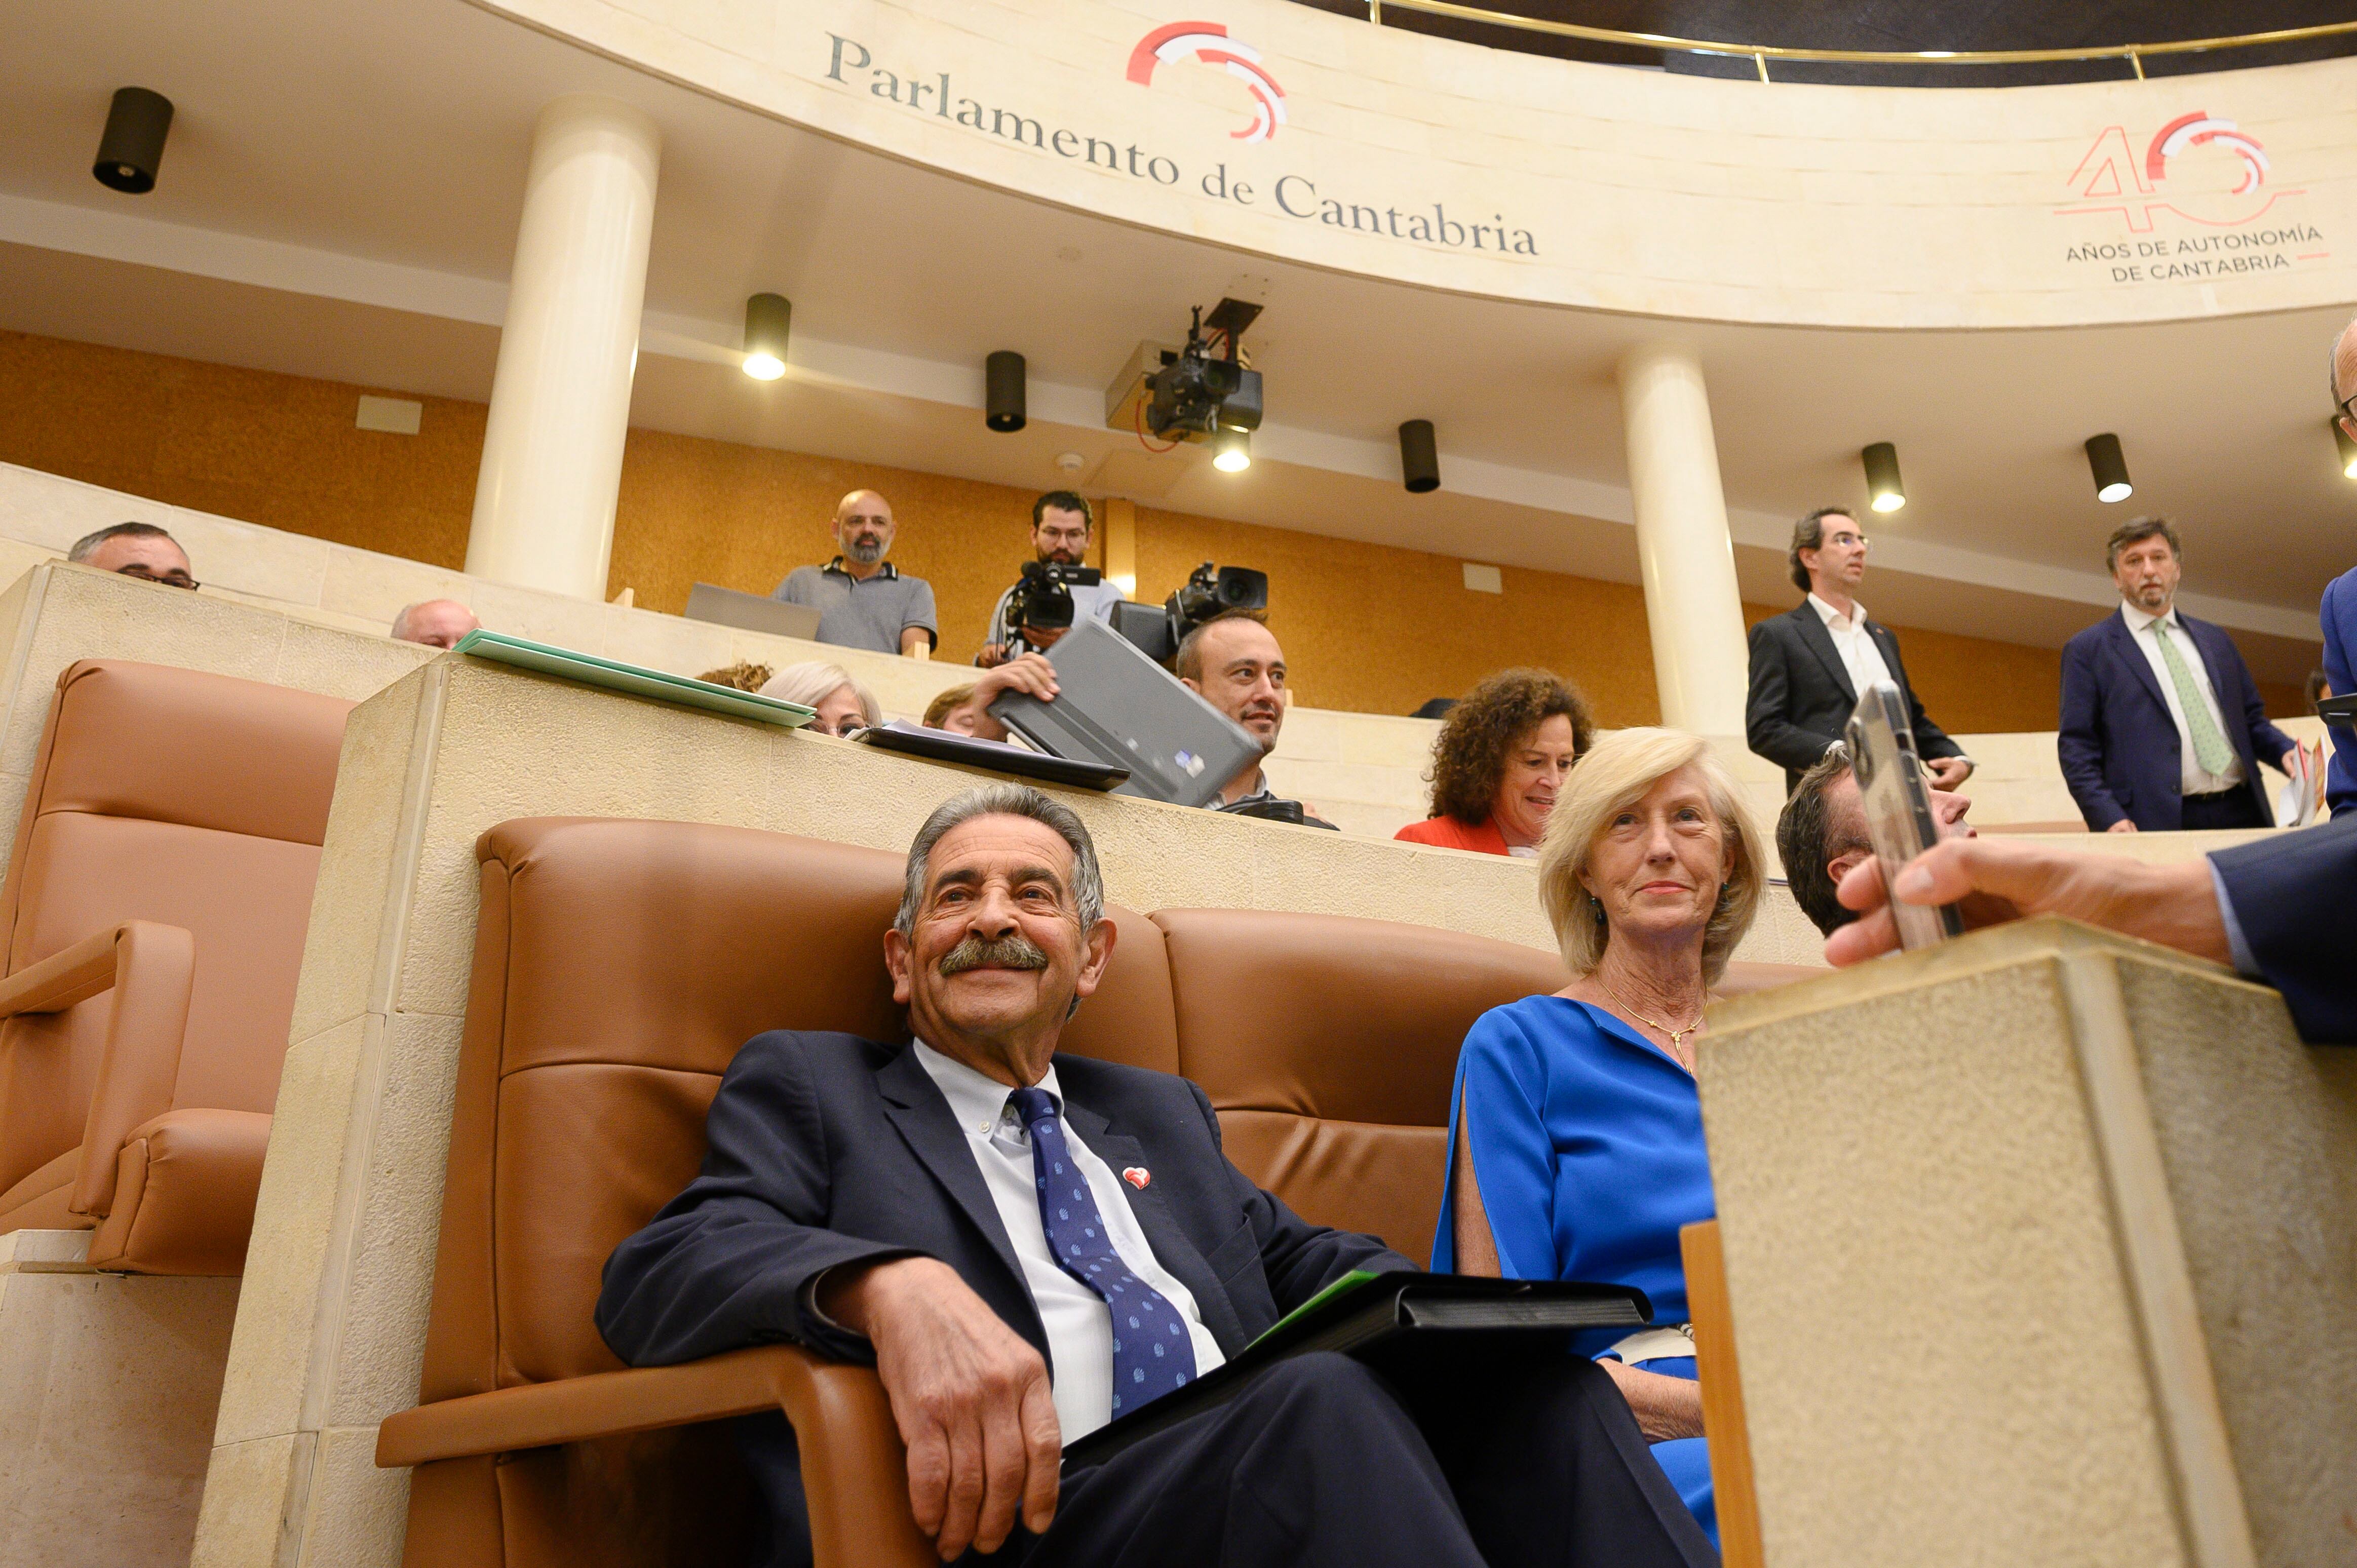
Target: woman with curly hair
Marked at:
1502, 755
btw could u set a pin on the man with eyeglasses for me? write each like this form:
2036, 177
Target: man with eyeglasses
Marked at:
1809, 665
138, 550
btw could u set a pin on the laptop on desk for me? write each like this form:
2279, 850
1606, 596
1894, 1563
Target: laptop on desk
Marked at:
751, 612
1116, 706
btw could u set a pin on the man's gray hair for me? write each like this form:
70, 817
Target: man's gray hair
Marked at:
87, 545
1003, 800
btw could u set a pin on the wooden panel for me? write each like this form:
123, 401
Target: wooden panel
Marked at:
1722, 1397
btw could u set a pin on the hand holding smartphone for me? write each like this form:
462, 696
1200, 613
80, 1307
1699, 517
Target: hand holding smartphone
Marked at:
1898, 805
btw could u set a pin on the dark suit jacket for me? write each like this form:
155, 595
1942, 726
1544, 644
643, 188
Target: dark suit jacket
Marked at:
828, 1149
2339, 615
2120, 751
1802, 697
2295, 896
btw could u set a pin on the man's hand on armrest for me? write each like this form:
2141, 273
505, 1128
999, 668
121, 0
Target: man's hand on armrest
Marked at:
969, 1394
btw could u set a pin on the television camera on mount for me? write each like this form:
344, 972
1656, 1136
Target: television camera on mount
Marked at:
1157, 630
1197, 392
1041, 602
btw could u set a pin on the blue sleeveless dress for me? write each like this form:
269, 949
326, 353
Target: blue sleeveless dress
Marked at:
1587, 1143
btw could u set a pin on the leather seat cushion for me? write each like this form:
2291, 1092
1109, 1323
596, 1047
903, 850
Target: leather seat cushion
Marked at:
184, 1193
586, 1154
1331, 1016
1384, 1181
180, 745
246, 901
38, 1202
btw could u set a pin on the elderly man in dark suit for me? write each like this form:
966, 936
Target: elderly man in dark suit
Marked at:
2162, 727
1809, 664
1028, 1245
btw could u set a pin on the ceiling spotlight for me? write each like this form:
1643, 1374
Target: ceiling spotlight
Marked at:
1231, 451
133, 144
2110, 469
1002, 376
1419, 457
2348, 448
1884, 491
768, 318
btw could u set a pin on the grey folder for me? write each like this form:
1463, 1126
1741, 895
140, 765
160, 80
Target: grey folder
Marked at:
1115, 705
750, 612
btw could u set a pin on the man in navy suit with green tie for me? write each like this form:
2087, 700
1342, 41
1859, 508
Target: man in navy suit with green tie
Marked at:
2162, 727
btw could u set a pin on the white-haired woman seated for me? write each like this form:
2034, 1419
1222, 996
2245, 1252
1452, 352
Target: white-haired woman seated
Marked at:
1576, 1150
843, 704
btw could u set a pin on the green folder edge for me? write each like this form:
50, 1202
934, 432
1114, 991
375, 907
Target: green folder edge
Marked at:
1349, 1282
635, 679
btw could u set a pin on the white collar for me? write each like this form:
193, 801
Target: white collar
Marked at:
977, 1100
2138, 618
1829, 615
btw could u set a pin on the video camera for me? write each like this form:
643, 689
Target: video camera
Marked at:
1042, 597
1157, 630
1197, 391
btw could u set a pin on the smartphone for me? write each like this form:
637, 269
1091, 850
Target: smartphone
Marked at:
1898, 805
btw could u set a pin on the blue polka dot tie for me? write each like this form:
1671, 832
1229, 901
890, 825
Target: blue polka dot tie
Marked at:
1151, 1352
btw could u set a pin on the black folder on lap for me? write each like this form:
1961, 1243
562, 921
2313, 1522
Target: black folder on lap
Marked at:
1397, 1323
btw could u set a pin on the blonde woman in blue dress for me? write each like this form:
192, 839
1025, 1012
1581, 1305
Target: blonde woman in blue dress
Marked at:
1576, 1150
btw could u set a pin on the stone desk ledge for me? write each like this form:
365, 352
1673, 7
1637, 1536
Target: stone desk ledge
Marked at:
2042, 1248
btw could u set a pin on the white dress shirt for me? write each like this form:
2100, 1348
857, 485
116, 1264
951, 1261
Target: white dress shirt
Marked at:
2193, 778
1859, 656
1079, 1327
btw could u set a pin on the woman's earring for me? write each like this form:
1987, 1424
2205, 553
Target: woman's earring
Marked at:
1599, 903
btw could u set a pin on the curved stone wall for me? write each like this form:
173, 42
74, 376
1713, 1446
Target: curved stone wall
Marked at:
1284, 131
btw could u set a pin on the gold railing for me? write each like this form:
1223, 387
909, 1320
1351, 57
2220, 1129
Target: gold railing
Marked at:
1761, 54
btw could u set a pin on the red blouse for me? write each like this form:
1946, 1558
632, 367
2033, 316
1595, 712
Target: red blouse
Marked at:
1450, 832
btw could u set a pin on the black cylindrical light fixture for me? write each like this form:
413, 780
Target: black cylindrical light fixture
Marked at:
2110, 467
2348, 448
1419, 457
1884, 490
133, 144
1002, 401
768, 322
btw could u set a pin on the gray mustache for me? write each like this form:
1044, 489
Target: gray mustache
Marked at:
1017, 952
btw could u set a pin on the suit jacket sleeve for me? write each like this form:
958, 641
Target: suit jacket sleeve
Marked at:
2078, 740
2295, 896
723, 1265
2339, 615
1300, 1259
2268, 743
1772, 735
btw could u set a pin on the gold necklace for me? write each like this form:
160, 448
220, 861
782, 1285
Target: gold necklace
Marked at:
1677, 1037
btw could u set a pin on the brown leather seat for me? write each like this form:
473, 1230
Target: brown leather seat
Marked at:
619, 965
1329, 1045
152, 927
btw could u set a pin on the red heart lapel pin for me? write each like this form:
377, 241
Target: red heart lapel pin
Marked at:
1137, 1177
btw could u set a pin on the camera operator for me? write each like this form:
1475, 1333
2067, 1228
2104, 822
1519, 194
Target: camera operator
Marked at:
1060, 525
1233, 663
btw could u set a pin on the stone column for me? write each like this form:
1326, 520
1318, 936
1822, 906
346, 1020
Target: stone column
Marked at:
561, 397
1692, 605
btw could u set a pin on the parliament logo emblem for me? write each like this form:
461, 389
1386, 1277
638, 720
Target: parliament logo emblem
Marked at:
2179, 172
1207, 43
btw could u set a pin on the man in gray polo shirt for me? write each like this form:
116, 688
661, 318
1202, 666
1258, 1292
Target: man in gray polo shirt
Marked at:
862, 599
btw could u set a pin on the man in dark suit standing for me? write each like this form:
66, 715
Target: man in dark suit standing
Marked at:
2162, 727
1809, 664
1027, 1246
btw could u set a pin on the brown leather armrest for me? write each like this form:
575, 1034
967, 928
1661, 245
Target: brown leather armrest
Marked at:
855, 1468
62, 978
150, 968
